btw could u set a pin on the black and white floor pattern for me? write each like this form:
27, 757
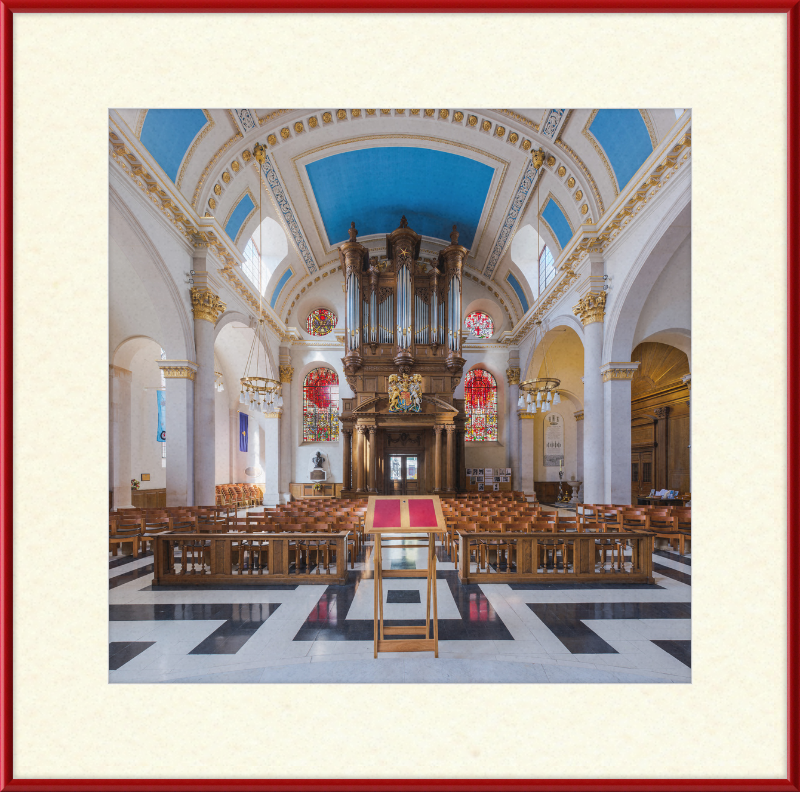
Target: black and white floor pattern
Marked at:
543, 632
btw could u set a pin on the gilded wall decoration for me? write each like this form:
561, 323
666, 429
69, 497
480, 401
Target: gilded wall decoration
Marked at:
226, 177
272, 140
206, 305
513, 137
286, 373
591, 308
355, 113
552, 122
578, 195
327, 118
246, 155
472, 120
246, 120
486, 125
312, 122
285, 133
429, 113
298, 128
217, 189
458, 117
499, 131
562, 172
551, 161
235, 166
513, 374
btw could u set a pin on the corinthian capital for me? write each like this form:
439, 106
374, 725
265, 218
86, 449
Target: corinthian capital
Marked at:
286, 373
206, 305
513, 375
591, 308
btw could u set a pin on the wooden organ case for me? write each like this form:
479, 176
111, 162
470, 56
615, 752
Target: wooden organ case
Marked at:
403, 336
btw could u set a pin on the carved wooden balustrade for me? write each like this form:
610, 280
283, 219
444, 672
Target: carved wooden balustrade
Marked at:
247, 557
567, 557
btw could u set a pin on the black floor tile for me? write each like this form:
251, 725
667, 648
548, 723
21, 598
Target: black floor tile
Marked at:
123, 560
669, 572
674, 556
402, 596
680, 650
225, 587
582, 586
127, 577
120, 652
403, 563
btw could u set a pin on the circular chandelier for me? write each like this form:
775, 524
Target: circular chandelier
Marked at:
540, 393
257, 390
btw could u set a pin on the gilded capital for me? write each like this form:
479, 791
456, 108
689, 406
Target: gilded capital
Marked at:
512, 374
579, 415
286, 373
619, 371
591, 308
178, 372
206, 305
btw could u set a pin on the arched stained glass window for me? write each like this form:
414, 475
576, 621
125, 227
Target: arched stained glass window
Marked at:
480, 399
320, 322
321, 405
479, 324
547, 270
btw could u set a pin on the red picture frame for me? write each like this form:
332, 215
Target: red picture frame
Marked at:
7, 12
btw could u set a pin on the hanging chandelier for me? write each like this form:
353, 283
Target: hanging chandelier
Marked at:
218, 386
540, 393
259, 392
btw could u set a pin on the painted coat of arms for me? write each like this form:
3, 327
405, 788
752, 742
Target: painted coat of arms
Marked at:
405, 393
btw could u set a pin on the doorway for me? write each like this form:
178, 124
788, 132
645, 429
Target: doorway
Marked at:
641, 474
404, 478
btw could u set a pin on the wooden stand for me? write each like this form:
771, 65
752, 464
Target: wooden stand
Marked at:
408, 532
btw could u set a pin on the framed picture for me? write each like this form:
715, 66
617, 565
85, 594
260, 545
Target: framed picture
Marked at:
487, 472
497, 479
496, 487
479, 479
145, 477
480, 487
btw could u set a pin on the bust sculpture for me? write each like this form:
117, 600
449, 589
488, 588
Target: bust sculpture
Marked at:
318, 473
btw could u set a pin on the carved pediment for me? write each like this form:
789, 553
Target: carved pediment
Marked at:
380, 406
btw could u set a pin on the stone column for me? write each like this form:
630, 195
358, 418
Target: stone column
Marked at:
179, 376
347, 477
616, 379
373, 463
451, 456
437, 459
579, 474
273, 461
513, 374
206, 307
119, 436
238, 458
361, 439
526, 475
591, 311
287, 449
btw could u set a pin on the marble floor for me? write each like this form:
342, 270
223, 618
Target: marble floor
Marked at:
542, 632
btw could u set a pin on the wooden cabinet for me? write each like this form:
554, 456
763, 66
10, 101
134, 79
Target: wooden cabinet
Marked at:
148, 498
327, 490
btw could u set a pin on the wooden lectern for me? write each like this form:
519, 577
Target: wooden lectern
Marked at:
401, 521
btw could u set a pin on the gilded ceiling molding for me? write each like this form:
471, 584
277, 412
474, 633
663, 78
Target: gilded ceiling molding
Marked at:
526, 183
448, 143
189, 154
651, 128
271, 116
600, 153
552, 122
246, 120
520, 119
669, 164
171, 369
585, 171
211, 163
591, 308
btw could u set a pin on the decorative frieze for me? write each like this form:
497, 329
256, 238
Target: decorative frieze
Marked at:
618, 371
206, 305
286, 373
171, 370
512, 373
591, 308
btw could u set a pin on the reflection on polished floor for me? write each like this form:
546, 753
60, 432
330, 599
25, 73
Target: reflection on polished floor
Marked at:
543, 632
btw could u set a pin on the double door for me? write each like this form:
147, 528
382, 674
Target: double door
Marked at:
404, 478
641, 474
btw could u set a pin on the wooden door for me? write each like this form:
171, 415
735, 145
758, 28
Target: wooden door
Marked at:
641, 474
404, 474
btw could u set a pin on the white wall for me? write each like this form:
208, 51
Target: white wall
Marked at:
145, 448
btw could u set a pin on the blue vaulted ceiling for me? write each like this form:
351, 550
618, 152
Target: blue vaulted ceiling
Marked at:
625, 140
167, 134
375, 187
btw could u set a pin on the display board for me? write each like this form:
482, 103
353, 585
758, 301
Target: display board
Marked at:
553, 440
489, 480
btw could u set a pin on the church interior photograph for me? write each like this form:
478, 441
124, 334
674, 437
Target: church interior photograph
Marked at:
400, 395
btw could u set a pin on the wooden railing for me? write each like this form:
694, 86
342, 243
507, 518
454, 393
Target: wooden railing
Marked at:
242, 558
540, 557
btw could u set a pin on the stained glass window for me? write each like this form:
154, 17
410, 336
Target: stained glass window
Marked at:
480, 399
321, 405
547, 270
479, 324
320, 322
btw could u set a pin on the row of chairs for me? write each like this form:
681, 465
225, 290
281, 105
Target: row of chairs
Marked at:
239, 495
673, 524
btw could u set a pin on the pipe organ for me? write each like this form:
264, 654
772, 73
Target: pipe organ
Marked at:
403, 305
403, 320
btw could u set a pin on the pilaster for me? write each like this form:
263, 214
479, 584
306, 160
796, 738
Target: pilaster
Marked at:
617, 436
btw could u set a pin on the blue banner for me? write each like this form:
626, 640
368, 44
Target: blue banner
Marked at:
243, 431
161, 434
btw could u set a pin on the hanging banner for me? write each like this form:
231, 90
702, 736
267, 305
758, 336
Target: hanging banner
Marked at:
243, 418
553, 441
161, 432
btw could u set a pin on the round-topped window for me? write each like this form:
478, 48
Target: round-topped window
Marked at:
320, 322
479, 325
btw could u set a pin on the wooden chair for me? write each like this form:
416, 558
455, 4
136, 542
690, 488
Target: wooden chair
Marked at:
119, 532
549, 544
